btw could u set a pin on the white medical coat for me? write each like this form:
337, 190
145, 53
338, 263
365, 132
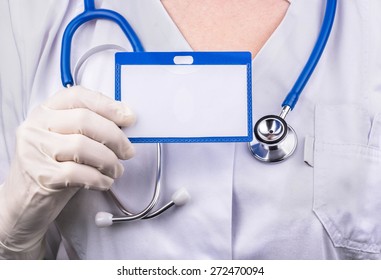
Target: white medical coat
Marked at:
329, 208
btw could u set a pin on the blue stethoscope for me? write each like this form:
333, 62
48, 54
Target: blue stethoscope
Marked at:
274, 140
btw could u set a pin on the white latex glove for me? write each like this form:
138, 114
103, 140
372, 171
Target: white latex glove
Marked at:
71, 141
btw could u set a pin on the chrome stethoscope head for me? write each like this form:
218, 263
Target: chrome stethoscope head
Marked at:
274, 140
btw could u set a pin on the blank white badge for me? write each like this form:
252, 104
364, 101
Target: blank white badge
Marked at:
186, 96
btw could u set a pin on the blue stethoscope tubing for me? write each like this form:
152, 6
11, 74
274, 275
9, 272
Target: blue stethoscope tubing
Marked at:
91, 13
274, 140
180, 197
326, 27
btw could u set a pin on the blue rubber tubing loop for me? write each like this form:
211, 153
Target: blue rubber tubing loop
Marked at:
326, 27
89, 14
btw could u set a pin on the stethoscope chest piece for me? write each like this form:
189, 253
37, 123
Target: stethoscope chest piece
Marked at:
274, 140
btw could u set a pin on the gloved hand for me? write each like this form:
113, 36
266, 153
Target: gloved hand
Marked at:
71, 141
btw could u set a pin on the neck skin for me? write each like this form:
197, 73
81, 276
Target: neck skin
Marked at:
227, 25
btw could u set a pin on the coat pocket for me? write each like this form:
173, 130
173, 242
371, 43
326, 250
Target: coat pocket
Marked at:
347, 176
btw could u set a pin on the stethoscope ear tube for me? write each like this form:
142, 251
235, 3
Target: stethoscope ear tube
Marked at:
179, 198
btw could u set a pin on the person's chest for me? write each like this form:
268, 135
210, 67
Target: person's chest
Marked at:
227, 25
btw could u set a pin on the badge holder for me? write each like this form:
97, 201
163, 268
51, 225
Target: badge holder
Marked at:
186, 96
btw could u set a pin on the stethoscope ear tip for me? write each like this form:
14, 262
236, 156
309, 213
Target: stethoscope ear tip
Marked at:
103, 219
181, 197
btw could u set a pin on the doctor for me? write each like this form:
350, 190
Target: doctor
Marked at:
322, 203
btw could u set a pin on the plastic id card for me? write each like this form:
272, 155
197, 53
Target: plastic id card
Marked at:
186, 96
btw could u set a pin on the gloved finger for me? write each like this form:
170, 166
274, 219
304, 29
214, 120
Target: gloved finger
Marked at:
74, 175
79, 97
49, 173
86, 122
83, 150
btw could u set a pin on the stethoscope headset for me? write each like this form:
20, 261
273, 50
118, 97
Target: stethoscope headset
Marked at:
274, 140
